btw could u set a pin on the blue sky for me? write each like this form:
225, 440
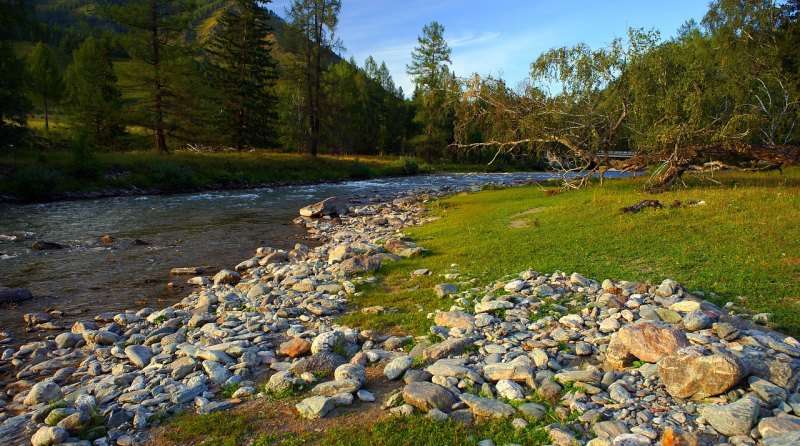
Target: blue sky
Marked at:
499, 37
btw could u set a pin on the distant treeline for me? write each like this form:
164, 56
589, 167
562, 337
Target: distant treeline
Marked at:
232, 73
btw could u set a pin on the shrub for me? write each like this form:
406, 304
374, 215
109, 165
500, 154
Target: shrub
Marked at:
84, 164
359, 171
406, 165
37, 181
173, 177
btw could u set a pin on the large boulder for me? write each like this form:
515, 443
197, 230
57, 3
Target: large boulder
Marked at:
332, 206
694, 373
43, 392
455, 319
736, 418
359, 264
426, 396
647, 341
487, 407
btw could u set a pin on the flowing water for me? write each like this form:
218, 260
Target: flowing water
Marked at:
211, 230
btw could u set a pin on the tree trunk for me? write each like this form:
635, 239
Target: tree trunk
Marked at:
161, 140
46, 116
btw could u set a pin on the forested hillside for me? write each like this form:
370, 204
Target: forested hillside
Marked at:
135, 74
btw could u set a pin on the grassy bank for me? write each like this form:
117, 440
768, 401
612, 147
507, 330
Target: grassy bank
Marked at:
41, 176
742, 245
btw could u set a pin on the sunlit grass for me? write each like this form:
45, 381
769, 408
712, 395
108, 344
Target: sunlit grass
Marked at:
743, 244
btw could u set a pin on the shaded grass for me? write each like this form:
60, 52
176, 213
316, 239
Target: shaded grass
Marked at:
421, 431
187, 171
226, 428
743, 245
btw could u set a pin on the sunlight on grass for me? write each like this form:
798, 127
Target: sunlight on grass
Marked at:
742, 244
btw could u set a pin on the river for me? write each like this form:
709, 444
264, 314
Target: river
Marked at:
213, 230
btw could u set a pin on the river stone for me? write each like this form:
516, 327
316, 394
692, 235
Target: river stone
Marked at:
76, 422
182, 367
445, 289
768, 391
608, 430
487, 407
696, 320
426, 396
631, 440
396, 367
328, 342
294, 348
43, 392
609, 325
14, 295
41, 245
101, 337
355, 372
139, 355
510, 371
647, 341
359, 264
510, 390
450, 347
446, 369
58, 414
667, 288
396, 342
226, 276
455, 319
49, 436
331, 206
532, 411
787, 439
492, 306
67, 340
691, 373
736, 418
315, 406
588, 376
332, 388
777, 426
318, 364
216, 372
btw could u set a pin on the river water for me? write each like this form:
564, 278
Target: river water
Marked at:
212, 230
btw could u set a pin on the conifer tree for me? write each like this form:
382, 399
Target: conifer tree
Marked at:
45, 84
156, 41
430, 69
13, 103
244, 73
93, 98
312, 26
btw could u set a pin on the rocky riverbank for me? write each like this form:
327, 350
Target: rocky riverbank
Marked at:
590, 362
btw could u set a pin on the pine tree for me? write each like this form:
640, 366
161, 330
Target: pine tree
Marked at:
244, 73
430, 69
93, 99
312, 24
14, 105
45, 83
156, 43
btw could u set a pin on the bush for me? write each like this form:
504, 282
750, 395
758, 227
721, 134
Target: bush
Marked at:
84, 164
406, 165
172, 177
359, 171
36, 182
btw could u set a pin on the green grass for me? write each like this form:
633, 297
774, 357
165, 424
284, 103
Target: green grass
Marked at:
226, 428
420, 431
743, 245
